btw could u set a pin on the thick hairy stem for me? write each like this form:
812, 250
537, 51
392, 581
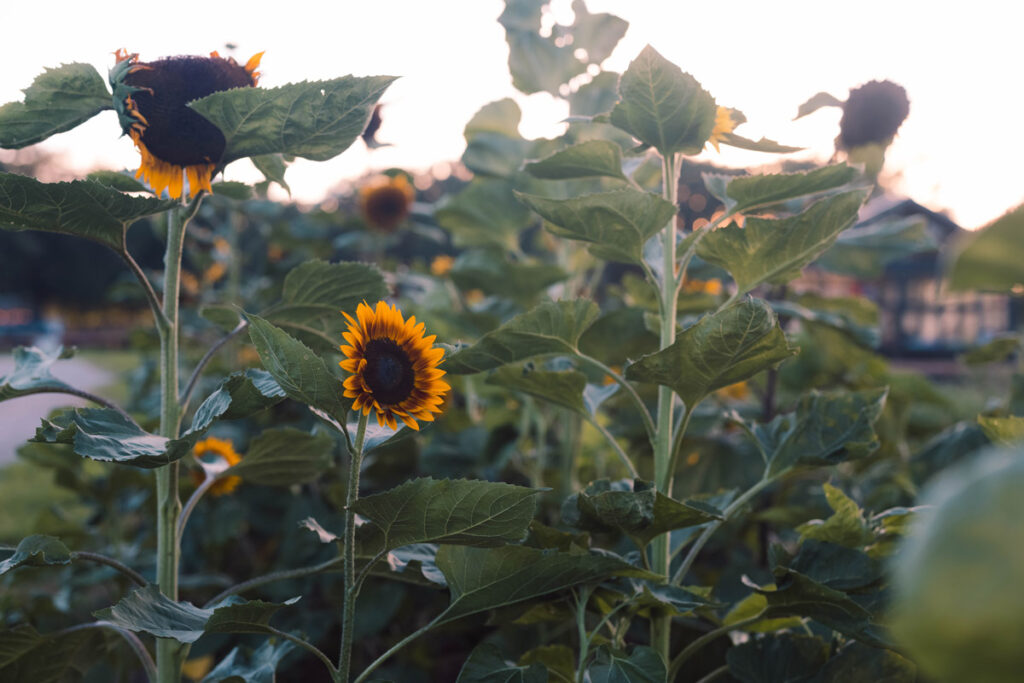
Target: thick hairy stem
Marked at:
348, 613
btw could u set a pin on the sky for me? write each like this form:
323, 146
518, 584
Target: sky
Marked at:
960, 149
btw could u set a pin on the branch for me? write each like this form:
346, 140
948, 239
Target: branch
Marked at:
241, 327
110, 562
275, 576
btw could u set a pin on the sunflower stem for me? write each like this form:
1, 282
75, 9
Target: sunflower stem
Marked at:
168, 651
661, 626
348, 614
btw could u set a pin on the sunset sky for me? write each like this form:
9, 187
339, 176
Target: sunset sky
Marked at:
960, 148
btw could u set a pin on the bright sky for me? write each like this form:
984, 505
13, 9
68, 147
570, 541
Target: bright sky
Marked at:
960, 149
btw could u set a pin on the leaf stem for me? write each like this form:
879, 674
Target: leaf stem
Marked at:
98, 400
396, 647
680, 659
615, 444
133, 642
630, 389
309, 647
581, 629
207, 357
715, 674
110, 562
186, 511
282, 575
348, 614
147, 287
677, 444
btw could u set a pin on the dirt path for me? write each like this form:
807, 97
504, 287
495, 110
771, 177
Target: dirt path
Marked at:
19, 417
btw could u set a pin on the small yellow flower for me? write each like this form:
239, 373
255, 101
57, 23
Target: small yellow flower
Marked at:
712, 287
735, 392
214, 272
385, 201
225, 450
723, 126
197, 668
393, 365
474, 296
441, 265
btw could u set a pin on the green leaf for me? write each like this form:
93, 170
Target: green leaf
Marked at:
595, 33
742, 193
486, 665
864, 252
992, 259
25, 655
490, 271
858, 662
58, 100
632, 507
997, 350
1003, 430
481, 579
845, 321
825, 429
495, 155
778, 658
284, 456
257, 666
592, 159
611, 666
559, 660
665, 597
846, 527
148, 610
31, 373
663, 107
761, 145
301, 374
615, 224
455, 512
314, 295
776, 250
536, 62
123, 181
240, 395
82, 207
724, 348
273, 167
108, 436
315, 120
233, 189
552, 327
485, 212
563, 387
36, 551
753, 605
501, 116
822, 99
836, 566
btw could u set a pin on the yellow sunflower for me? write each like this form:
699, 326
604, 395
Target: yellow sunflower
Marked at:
174, 141
724, 124
224, 449
386, 201
393, 365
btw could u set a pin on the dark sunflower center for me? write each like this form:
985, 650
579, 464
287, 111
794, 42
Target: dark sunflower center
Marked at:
175, 133
388, 372
386, 207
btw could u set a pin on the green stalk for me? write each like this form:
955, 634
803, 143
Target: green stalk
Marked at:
661, 626
169, 651
348, 613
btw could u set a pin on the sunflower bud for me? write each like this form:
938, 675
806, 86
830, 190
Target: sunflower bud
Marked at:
872, 114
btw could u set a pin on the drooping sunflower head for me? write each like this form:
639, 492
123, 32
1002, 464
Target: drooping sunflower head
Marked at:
394, 367
218, 452
174, 141
724, 124
872, 114
385, 201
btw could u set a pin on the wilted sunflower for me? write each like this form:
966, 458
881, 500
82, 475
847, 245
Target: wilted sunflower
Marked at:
386, 201
724, 124
174, 141
394, 367
226, 451
872, 114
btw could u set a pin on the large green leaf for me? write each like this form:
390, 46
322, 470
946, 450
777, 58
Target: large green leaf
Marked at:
240, 395
663, 107
864, 252
108, 436
778, 658
591, 159
300, 372
314, 295
487, 665
595, 33
58, 100
561, 387
147, 609
491, 271
552, 327
481, 579
536, 62
611, 666
776, 250
836, 566
37, 551
615, 224
859, 662
452, 511
742, 193
992, 259
632, 507
26, 655
485, 212
258, 666
315, 120
825, 429
1003, 430
729, 346
284, 456
82, 207
31, 373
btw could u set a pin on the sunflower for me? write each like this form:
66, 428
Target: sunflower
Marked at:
174, 141
872, 114
724, 124
394, 367
386, 201
225, 450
